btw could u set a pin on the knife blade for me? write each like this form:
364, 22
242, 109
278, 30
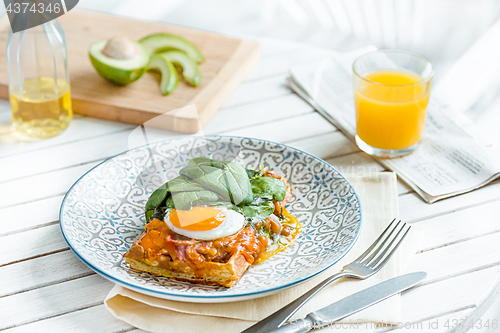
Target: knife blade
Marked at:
350, 304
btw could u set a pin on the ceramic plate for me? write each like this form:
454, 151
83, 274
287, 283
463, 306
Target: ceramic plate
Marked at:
103, 214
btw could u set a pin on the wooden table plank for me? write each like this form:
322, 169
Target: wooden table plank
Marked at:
47, 212
443, 263
461, 225
80, 128
288, 129
414, 209
279, 63
259, 112
252, 91
92, 319
31, 244
42, 271
53, 300
41, 186
444, 296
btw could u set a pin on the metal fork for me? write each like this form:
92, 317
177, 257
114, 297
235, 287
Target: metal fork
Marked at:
367, 264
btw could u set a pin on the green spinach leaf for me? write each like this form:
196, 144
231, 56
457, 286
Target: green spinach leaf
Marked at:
157, 197
228, 179
269, 188
258, 212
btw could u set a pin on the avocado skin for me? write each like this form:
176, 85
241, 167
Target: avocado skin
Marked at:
115, 75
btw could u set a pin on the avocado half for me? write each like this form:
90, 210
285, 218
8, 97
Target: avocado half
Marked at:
119, 71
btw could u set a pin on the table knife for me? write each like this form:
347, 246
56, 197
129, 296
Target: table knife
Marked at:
348, 305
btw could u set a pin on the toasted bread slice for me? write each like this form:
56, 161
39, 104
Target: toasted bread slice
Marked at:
167, 264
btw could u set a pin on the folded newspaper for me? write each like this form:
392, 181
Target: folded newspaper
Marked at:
450, 160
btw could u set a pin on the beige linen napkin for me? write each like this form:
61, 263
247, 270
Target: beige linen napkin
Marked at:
379, 204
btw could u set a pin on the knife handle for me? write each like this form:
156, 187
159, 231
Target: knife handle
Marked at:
297, 326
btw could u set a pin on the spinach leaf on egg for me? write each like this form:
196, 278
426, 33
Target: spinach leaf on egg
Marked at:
228, 179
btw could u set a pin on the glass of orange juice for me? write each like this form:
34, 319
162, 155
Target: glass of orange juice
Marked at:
391, 92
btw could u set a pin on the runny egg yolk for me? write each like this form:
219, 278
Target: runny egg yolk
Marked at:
197, 219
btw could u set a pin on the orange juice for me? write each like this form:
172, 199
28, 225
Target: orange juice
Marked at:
390, 108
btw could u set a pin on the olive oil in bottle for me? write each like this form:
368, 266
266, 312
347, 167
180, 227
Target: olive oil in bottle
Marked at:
42, 108
39, 87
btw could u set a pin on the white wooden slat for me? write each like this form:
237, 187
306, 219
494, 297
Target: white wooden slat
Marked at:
63, 156
412, 208
42, 212
41, 186
288, 129
32, 243
53, 300
79, 129
269, 46
39, 272
256, 113
326, 145
280, 62
249, 92
6, 127
92, 319
5, 117
458, 258
461, 225
4, 105
448, 295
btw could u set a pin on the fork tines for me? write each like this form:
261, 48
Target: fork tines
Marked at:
372, 258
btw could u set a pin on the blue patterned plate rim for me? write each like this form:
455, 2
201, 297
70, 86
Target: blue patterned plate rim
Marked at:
264, 292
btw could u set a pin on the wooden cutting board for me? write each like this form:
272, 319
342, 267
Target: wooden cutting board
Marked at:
228, 61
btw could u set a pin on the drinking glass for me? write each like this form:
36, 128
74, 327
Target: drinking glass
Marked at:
391, 92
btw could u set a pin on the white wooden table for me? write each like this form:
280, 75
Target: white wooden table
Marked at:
44, 287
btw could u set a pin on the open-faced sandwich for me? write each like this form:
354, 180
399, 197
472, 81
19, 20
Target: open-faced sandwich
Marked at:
213, 221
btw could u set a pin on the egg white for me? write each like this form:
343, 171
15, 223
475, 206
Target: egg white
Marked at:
232, 223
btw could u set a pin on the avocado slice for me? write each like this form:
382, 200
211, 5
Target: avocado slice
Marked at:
169, 78
190, 71
119, 71
164, 42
